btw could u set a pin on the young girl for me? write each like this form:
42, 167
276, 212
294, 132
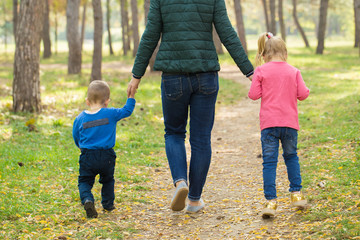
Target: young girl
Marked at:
279, 85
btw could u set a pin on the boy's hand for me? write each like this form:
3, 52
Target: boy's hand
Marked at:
132, 87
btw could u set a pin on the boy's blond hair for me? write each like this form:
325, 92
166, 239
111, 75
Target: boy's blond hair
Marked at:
270, 46
98, 92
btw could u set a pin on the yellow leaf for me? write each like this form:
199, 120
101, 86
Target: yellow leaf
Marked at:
340, 167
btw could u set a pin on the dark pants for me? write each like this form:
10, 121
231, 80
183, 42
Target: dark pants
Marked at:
93, 162
194, 95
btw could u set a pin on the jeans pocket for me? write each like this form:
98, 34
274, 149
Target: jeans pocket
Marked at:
208, 82
172, 87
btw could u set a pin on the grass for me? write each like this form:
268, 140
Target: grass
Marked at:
38, 169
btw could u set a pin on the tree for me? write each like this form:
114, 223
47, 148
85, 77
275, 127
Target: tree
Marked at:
135, 26
297, 23
15, 15
124, 26
357, 22
58, 7
46, 32
26, 84
281, 20
324, 4
83, 22
98, 34
273, 17
266, 15
108, 15
240, 23
72, 35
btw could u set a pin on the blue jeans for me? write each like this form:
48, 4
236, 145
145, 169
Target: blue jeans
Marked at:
93, 162
180, 93
270, 138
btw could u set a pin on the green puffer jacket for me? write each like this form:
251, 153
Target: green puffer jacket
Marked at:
185, 27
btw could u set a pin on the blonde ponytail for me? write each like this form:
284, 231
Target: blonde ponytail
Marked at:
270, 46
261, 49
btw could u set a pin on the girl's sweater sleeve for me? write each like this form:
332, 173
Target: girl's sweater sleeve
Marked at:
302, 91
255, 91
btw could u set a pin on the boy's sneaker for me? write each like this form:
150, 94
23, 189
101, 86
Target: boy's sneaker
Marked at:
298, 200
90, 209
269, 209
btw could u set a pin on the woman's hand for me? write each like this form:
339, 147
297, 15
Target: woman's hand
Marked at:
132, 87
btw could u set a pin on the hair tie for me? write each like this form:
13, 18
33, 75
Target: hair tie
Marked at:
269, 35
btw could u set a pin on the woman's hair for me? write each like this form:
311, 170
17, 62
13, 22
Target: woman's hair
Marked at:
98, 92
270, 46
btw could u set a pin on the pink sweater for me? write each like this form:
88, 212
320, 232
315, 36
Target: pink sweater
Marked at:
279, 85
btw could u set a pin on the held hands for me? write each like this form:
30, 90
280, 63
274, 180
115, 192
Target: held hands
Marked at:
250, 78
132, 87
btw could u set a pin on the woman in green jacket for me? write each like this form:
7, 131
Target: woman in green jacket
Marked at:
189, 83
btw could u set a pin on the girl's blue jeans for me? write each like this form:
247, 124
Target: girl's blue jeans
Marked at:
194, 94
270, 138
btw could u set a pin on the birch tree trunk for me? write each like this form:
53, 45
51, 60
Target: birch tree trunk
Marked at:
46, 32
324, 4
98, 34
297, 23
72, 35
281, 20
26, 84
108, 16
240, 24
135, 25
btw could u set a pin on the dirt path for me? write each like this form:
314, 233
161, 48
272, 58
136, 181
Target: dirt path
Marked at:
233, 191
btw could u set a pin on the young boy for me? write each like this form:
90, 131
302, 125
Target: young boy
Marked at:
94, 133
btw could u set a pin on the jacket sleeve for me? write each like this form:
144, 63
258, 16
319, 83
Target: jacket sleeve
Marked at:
75, 132
255, 91
149, 39
127, 110
229, 38
302, 91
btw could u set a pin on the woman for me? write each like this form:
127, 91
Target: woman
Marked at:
187, 57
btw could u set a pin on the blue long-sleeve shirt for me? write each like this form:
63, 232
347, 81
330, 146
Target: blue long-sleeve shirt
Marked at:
98, 130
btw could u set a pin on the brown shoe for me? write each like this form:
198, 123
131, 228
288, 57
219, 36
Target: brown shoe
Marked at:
270, 209
298, 200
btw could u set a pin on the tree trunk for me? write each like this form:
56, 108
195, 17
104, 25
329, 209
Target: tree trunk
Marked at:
123, 26
128, 30
98, 30
108, 16
217, 42
73, 38
240, 23
26, 85
56, 33
153, 57
135, 25
15, 15
297, 23
273, 17
357, 22
266, 15
281, 20
324, 4
83, 24
46, 32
